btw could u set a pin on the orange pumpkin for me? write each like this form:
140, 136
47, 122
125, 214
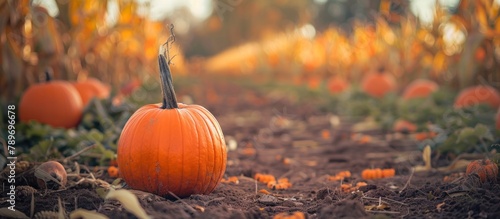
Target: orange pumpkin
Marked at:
172, 147
404, 126
485, 169
337, 85
478, 94
91, 88
378, 84
55, 103
420, 88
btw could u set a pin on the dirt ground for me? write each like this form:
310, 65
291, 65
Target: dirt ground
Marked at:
298, 142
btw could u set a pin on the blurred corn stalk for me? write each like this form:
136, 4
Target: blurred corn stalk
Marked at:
480, 59
29, 44
81, 41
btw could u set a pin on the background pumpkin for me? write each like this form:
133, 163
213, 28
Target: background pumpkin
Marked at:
485, 169
172, 147
404, 126
91, 88
337, 84
378, 84
56, 103
420, 88
478, 94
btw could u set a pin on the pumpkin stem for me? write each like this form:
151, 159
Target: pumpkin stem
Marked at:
169, 99
48, 75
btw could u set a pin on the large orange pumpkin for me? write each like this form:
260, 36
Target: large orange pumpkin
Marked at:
420, 88
478, 94
55, 103
91, 88
172, 147
378, 84
337, 85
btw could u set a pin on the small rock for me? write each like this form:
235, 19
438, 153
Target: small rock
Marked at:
268, 200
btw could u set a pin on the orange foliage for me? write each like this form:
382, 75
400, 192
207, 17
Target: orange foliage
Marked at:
337, 85
232, 179
340, 176
264, 178
378, 173
287, 215
281, 184
478, 94
378, 84
351, 188
420, 88
263, 191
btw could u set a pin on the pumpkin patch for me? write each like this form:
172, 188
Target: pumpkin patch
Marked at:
281, 109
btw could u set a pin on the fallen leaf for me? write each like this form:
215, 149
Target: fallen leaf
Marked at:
86, 214
439, 207
129, 202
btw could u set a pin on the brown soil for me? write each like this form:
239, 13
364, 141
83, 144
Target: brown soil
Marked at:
291, 140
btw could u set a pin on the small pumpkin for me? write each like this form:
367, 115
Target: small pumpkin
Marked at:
485, 169
420, 88
56, 103
476, 95
91, 88
378, 84
337, 85
172, 147
404, 126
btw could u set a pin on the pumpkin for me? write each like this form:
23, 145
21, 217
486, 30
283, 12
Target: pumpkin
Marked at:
172, 148
55, 103
378, 84
404, 126
91, 88
476, 95
420, 88
485, 169
337, 85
